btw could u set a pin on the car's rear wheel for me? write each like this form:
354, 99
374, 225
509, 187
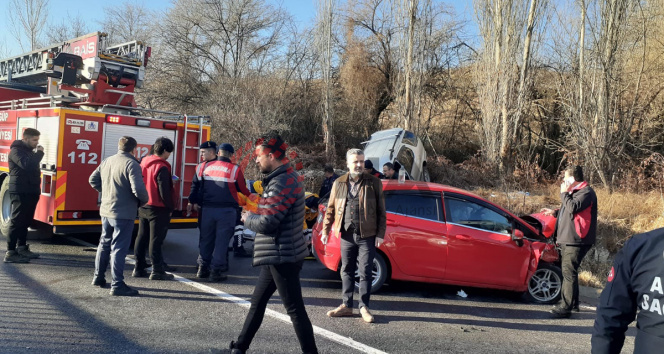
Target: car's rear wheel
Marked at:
545, 285
379, 274
5, 207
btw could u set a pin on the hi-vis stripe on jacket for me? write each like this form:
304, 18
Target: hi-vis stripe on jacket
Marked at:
217, 184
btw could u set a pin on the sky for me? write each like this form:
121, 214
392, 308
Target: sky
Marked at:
303, 11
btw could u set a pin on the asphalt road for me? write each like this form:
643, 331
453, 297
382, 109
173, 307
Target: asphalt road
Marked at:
49, 306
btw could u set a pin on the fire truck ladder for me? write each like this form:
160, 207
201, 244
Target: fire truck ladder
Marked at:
36, 66
186, 147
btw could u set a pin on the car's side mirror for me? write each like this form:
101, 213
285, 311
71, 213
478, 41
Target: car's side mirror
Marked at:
517, 236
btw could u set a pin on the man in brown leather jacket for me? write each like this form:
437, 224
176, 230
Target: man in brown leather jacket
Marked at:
356, 213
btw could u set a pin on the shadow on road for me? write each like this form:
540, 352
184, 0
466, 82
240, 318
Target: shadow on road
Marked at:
34, 319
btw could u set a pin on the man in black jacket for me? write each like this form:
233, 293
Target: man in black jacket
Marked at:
155, 216
635, 281
279, 246
576, 226
24, 190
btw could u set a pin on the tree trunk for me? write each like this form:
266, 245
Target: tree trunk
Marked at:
409, 64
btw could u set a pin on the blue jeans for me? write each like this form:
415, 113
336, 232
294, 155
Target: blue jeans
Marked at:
113, 246
217, 227
356, 252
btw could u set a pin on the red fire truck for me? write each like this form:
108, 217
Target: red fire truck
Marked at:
80, 95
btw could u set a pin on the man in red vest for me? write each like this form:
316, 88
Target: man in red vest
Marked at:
214, 192
576, 229
155, 216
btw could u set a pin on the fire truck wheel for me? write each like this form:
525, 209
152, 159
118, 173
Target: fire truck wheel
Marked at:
5, 207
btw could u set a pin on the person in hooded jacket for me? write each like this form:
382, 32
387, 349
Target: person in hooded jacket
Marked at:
279, 246
24, 190
576, 228
155, 216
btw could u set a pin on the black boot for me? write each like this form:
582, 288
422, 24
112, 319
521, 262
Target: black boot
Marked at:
161, 276
99, 281
234, 349
123, 290
139, 272
217, 276
203, 272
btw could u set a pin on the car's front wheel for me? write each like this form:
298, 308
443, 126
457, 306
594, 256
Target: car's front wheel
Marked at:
379, 274
545, 285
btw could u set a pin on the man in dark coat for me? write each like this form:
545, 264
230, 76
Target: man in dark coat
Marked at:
576, 228
635, 281
24, 190
279, 247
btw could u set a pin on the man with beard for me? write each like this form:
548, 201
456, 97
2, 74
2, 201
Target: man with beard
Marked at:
356, 213
279, 246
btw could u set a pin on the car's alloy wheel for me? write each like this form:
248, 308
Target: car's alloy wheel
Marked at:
379, 274
546, 284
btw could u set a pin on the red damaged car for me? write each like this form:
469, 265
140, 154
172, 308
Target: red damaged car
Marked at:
441, 234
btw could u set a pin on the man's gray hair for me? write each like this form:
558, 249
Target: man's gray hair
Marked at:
352, 152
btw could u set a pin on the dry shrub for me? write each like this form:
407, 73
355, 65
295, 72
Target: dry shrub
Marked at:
643, 176
470, 173
587, 278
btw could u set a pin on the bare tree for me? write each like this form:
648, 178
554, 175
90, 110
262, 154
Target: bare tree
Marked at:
128, 21
502, 87
27, 18
412, 10
68, 28
326, 10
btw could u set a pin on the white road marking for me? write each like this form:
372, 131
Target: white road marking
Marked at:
244, 303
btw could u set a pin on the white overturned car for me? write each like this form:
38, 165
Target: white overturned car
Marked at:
398, 145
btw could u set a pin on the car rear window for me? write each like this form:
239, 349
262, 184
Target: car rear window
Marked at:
409, 138
422, 206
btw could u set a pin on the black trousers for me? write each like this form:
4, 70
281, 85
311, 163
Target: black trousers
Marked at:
571, 260
285, 278
23, 211
152, 229
356, 252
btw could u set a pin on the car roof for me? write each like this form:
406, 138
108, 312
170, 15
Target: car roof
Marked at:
393, 185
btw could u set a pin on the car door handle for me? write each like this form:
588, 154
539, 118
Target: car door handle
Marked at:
463, 237
392, 223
